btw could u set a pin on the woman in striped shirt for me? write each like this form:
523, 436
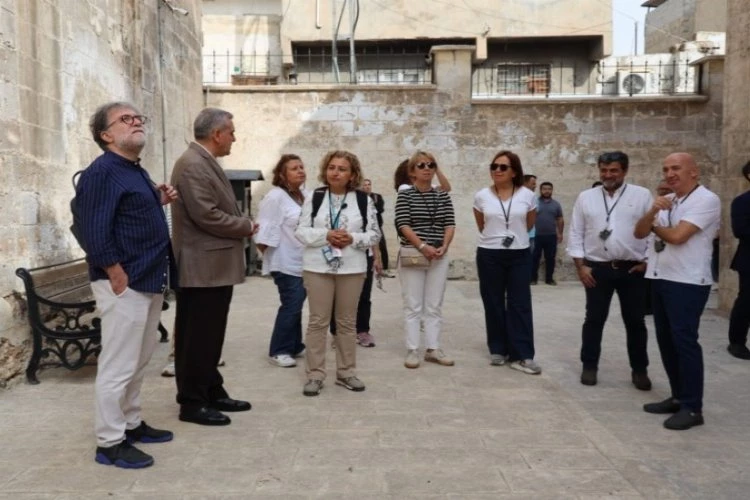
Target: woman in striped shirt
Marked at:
425, 220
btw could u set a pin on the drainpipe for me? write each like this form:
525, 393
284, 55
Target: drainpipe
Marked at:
159, 20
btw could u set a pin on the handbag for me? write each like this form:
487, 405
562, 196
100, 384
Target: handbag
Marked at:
413, 258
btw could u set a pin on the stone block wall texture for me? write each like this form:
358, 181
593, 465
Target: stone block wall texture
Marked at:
736, 135
558, 141
59, 60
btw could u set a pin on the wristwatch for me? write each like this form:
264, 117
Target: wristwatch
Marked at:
420, 247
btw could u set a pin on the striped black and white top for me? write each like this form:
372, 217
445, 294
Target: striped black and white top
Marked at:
426, 213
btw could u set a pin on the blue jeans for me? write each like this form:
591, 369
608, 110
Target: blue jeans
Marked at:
677, 314
287, 330
506, 294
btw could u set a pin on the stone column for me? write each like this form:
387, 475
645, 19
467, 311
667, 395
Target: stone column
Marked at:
735, 137
452, 70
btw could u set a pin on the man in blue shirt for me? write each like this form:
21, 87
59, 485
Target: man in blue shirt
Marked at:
124, 231
549, 232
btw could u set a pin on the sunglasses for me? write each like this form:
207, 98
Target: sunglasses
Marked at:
431, 165
501, 166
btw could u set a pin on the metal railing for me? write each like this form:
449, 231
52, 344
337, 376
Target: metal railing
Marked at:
316, 66
581, 78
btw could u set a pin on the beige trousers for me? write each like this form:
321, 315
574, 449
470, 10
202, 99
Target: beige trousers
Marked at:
322, 289
129, 337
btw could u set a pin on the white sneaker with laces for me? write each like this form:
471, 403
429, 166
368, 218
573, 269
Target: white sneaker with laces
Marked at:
282, 360
168, 370
527, 366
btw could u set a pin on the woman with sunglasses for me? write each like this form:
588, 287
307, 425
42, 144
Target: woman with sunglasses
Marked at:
282, 256
403, 180
504, 213
426, 222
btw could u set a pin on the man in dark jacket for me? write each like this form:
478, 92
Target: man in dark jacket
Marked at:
739, 321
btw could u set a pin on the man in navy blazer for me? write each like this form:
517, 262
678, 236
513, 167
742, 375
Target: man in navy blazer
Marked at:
739, 321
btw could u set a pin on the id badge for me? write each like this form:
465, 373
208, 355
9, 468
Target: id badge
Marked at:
328, 254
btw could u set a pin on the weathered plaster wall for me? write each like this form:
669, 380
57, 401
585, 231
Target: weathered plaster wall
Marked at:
449, 19
678, 20
557, 140
59, 60
736, 134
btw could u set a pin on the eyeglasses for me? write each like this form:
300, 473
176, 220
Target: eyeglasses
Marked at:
501, 166
431, 165
130, 120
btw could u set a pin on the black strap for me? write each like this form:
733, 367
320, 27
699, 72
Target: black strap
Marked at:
606, 205
317, 201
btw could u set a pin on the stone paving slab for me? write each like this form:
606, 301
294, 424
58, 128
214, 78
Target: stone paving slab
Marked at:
472, 431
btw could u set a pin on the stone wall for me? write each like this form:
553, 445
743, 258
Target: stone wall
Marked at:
558, 140
59, 60
736, 134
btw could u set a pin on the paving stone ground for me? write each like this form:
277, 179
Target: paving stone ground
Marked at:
472, 431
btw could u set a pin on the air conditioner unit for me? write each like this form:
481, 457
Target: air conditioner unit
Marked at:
637, 83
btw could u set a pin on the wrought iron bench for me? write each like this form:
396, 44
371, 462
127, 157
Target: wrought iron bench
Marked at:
62, 316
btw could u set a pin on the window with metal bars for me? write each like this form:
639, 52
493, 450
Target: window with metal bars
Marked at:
523, 78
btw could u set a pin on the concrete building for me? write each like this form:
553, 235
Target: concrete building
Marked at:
59, 60
532, 46
670, 22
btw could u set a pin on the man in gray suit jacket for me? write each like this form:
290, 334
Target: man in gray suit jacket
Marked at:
208, 232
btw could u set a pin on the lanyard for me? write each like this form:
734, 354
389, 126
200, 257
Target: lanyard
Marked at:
606, 205
335, 220
506, 215
431, 208
679, 203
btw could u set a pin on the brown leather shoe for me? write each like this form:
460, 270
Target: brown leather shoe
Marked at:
641, 381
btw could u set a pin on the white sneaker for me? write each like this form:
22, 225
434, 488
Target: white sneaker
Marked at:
412, 359
282, 360
527, 366
498, 359
168, 370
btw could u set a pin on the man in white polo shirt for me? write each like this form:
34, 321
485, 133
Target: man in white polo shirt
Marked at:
684, 225
609, 259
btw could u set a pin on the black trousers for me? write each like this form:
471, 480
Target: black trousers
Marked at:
201, 320
547, 244
383, 250
630, 288
739, 320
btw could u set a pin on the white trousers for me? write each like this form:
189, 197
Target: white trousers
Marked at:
129, 335
422, 291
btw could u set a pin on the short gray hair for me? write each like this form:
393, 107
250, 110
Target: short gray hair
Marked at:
208, 120
100, 120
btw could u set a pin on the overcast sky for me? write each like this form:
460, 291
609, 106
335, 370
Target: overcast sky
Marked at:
625, 14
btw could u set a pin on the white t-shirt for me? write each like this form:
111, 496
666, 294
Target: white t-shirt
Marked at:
278, 217
690, 262
353, 257
516, 208
590, 218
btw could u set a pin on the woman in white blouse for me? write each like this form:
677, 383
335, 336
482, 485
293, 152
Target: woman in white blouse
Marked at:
336, 239
504, 212
282, 256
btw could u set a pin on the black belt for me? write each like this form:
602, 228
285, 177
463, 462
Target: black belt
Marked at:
613, 264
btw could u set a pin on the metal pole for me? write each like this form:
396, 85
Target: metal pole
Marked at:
636, 38
352, 55
334, 39
159, 20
